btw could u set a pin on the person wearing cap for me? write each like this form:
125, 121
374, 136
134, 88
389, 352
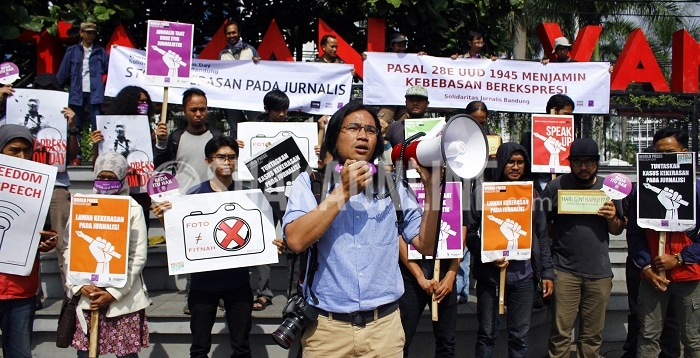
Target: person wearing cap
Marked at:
562, 47
416, 107
18, 295
82, 69
580, 255
681, 263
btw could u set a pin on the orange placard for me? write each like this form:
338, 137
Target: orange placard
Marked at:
99, 240
506, 221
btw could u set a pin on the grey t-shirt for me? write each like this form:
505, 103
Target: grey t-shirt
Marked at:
579, 242
191, 167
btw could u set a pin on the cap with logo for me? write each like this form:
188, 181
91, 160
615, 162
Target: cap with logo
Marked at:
561, 41
417, 91
584, 147
88, 27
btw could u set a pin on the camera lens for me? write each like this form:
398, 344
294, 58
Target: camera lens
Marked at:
287, 332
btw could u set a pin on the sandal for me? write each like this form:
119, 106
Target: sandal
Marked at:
263, 302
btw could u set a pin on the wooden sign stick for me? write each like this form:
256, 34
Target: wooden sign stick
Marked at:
662, 250
164, 108
434, 304
94, 333
502, 292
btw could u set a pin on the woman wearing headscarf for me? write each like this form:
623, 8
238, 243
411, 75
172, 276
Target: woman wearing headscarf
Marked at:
123, 329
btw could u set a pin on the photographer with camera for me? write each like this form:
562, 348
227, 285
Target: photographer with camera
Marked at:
353, 282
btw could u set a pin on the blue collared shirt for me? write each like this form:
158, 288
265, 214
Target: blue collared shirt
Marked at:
358, 256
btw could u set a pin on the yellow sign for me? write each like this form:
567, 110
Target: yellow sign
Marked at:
581, 201
494, 142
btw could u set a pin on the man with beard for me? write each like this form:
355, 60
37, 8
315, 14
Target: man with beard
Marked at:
183, 146
580, 254
416, 106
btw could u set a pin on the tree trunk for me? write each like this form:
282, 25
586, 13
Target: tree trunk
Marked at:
520, 37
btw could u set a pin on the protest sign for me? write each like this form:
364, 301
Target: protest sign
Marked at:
129, 136
162, 186
617, 186
450, 244
9, 72
314, 88
98, 247
25, 194
169, 53
40, 111
275, 169
504, 85
217, 231
259, 136
432, 127
580, 201
666, 191
506, 221
551, 141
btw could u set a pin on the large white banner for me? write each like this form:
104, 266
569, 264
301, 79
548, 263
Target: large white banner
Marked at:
504, 85
217, 231
312, 87
25, 193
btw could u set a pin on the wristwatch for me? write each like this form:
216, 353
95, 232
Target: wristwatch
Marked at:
679, 258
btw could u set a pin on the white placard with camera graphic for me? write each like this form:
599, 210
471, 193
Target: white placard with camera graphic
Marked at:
25, 194
258, 136
216, 231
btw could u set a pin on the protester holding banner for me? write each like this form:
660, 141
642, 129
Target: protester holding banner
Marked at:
183, 147
580, 254
679, 261
5, 91
512, 164
82, 69
123, 329
18, 297
358, 268
131, 100
475, 40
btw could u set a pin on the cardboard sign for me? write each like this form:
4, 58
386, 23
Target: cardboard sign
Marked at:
162, 186
506, 221
432, 127
25, 194
131, 137
217, 231
169, 53
617, 186
450, 244
494, 141
258, 136
581, 201
666, 191
551, 140
40, 111
275, 170
98, 248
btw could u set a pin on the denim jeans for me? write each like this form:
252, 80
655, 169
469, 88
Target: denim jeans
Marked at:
84, 354
16, 323
518, 301
412, 304
238, 305
462, 280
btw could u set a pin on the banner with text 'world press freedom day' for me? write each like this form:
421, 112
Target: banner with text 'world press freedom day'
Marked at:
315, 88
504, 85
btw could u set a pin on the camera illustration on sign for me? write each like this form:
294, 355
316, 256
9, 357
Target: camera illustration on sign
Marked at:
511, 230
223, 233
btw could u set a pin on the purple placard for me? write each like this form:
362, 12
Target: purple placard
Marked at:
169, 53
162, 186
451, 225
617, 186
9, 72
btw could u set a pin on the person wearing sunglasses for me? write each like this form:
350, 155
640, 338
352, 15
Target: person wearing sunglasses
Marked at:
580, 255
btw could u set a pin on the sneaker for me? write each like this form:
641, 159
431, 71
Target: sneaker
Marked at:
186, 309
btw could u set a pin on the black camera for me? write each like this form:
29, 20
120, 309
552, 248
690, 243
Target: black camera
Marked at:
297, 314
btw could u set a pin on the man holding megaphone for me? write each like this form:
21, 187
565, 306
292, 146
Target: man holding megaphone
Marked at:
353, 281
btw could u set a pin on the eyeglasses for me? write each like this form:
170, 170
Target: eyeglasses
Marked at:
228, 158
578, 162
354, 128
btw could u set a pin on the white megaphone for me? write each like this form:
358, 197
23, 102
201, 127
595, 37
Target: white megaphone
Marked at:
461, 144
